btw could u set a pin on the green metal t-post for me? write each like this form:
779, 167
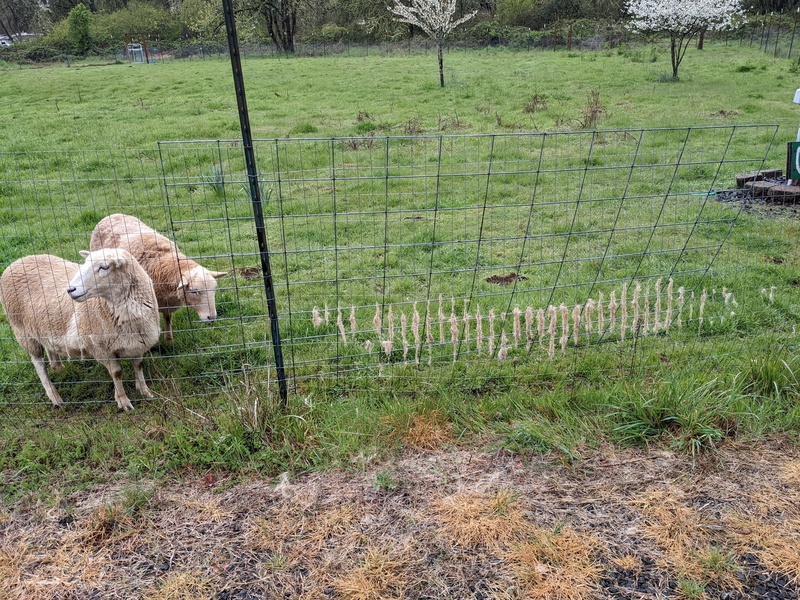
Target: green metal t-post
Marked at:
255, 194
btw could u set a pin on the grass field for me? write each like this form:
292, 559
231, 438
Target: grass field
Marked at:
67, 131
91, 107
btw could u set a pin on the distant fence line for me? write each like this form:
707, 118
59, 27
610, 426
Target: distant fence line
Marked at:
775, 34
560, 37
392, 254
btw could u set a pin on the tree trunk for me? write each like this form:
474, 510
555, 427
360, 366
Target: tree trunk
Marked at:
441, 63
281, 21
675, 57
5, 31
701, 39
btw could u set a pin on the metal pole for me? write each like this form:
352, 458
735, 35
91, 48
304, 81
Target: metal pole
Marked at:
778, 33
794, 29
255, 194
769, 31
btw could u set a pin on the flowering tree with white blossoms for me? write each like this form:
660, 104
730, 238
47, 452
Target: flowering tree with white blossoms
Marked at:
434, 17
682, 20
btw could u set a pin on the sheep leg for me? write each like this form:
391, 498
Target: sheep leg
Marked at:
141, 384
55, 362
50, 390
168, 327
112, 364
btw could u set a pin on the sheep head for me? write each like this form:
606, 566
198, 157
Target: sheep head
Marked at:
199, 286
94, 279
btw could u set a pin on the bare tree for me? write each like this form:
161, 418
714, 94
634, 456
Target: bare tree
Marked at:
434, 17
18, 16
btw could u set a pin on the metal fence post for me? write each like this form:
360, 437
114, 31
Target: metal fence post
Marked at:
255, 194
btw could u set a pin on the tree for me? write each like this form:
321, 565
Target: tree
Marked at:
434, 17
682, 20
281, 20
79, 21
21, 16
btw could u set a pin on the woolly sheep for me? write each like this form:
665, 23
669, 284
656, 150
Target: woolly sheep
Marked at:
104, 309
178, 281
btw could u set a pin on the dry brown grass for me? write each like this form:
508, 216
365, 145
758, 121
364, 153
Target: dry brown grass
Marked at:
627, 562
464, 521
106, 523
560, 565
15, 557
207, 509
382, 575
328, 524
476, 520
423, 431
776, 545
40, 567
790, 473
185, 585
690, 540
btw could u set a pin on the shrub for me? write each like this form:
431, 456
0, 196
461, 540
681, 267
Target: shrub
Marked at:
154, 22
79, 22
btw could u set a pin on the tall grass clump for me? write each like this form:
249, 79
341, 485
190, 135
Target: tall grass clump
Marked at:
689, 415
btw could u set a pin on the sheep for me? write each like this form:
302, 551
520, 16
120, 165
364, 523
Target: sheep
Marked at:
178, 280
105, 309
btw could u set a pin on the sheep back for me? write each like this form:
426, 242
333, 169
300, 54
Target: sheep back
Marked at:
156, 253
33, 293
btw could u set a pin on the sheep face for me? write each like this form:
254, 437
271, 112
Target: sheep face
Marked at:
199, 287
93, 278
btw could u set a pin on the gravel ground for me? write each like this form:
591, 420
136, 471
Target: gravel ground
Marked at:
764, 207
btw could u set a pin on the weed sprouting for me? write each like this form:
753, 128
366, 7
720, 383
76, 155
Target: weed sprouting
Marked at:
386, 481
535, 103
214, 180
690, 589
593, 111
718, 562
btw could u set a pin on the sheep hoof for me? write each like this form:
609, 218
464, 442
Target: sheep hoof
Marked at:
125, 405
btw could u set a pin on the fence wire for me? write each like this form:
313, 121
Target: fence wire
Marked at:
396, 255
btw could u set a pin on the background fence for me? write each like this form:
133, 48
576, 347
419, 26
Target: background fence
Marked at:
395, 256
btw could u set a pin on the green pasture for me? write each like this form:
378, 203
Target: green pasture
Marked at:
90, 106
377, 216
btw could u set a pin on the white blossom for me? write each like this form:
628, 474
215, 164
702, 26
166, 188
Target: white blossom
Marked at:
682, 20
434, 17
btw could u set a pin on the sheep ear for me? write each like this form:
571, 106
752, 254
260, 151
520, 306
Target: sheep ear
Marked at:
84, 253
184, 282
217, 274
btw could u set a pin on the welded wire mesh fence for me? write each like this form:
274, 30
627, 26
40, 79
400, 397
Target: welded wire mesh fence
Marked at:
397, 255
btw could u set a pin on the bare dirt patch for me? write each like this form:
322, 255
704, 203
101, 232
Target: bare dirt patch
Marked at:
249, 272
454, 523
505, 279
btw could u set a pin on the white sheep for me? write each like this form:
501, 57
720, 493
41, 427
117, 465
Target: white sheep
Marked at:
104, 309
178, 281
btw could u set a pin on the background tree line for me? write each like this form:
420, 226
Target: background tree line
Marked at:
106, 23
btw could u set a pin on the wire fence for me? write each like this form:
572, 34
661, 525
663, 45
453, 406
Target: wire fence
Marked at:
396, 255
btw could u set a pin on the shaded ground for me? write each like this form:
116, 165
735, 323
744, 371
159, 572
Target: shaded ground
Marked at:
454, 523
